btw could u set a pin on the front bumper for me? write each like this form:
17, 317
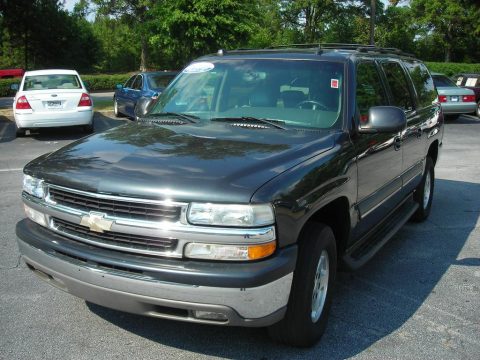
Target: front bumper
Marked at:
246, 294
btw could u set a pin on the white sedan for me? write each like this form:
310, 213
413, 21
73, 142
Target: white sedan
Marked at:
52, 98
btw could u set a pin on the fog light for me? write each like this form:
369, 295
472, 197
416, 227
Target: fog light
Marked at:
35, 215
209, 315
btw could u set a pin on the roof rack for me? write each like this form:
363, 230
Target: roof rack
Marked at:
319, 47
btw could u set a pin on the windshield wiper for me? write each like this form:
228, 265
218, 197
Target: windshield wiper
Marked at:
189, 118
271, 122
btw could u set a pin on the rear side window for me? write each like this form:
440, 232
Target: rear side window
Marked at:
369, 90
159, 81
423, 83
398, 84
138, 83
52, 81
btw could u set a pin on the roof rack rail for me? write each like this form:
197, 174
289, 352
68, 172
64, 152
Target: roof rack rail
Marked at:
319, 47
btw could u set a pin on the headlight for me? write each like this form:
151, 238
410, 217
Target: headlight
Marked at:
33, 186
231, 215
229, 252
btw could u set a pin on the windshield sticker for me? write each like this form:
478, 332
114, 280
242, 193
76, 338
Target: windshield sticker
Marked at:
334, 83
198, 67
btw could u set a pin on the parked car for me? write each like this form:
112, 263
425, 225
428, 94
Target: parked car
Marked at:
134, 98
454, 99
234, 200
11, 73
52, 98
472, 82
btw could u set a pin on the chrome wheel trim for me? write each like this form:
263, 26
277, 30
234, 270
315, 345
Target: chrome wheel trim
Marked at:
426, 190
320, 286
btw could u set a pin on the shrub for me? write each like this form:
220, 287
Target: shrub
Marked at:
96, 82
450, 69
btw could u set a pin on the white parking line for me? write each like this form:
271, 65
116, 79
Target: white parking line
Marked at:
8, 170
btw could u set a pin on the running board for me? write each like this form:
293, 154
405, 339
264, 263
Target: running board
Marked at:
373, 241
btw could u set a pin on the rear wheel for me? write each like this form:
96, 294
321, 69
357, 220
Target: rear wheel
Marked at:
19, 132
424, 192
88, 128
310, 297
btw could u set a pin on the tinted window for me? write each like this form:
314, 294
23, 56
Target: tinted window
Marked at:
138, 83
398, 84
129, 82
159, 81
53, 81
423, 83
369, 91
442, 81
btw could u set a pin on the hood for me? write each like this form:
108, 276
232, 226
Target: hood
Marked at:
206, 161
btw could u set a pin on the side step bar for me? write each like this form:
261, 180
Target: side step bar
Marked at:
372, 242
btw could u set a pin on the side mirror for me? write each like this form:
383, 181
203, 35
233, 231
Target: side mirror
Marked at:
384, 119
14, 87
119, 86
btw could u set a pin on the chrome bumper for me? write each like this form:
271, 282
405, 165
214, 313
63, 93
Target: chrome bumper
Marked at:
139, 294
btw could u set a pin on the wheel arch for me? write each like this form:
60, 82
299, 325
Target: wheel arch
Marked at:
433, 152
335, 214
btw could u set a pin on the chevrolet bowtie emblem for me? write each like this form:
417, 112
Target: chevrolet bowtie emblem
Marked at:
96, 222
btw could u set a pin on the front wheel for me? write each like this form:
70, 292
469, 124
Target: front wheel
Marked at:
310, 297
424, 192
478, 109
116, 112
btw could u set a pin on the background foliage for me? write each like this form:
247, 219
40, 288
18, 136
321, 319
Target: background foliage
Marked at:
115, 36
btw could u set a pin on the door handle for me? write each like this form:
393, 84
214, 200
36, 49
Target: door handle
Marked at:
397, 143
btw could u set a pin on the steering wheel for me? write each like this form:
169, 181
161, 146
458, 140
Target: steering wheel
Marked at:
314, 105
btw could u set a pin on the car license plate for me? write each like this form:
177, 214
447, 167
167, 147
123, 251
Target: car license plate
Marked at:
453, 98
54, 104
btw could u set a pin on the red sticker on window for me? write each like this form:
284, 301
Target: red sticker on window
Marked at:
334, 83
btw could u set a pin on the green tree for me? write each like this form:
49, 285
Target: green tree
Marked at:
453, 21
185, 29
46, 34
137, 14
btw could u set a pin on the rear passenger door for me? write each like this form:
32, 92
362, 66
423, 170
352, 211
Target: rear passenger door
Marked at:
133, 95
413, 140
379, 156
426, 114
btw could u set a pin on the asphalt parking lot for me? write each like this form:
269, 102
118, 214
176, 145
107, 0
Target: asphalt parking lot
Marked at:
418, 298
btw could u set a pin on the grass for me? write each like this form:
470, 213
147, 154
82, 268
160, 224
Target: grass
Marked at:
102, 105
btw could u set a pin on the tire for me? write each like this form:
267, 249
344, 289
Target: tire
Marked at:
423, 194
478, 109
19, 132
115, 109
302, 326
88, 129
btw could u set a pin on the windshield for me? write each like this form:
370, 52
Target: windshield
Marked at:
442, 81
54, 81
299, 93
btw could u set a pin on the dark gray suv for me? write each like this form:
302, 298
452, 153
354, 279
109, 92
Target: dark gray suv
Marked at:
235, 199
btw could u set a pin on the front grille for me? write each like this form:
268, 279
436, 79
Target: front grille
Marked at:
123, 241
115, 207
